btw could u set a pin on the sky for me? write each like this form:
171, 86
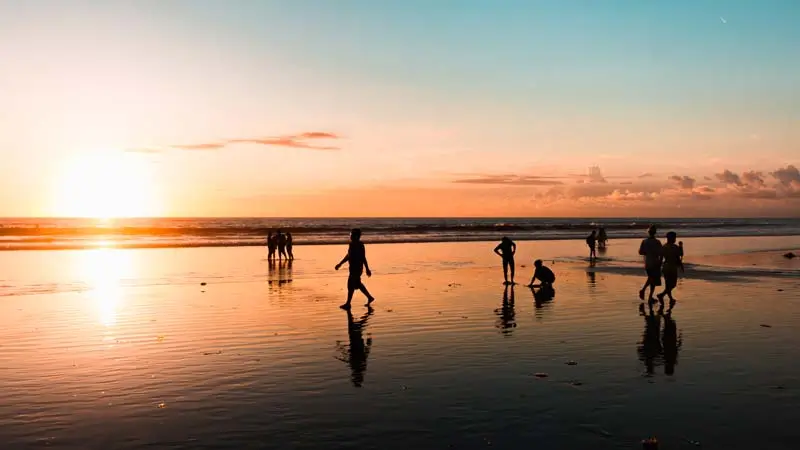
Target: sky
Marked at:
324, 108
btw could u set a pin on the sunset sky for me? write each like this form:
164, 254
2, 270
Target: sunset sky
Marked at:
399, 108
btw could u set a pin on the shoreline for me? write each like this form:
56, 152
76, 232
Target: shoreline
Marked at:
106, 244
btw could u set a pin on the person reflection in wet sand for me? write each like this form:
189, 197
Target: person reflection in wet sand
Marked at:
543, 295
506, 313
356, 352
649, 348
672, 343
506, 249
280, 272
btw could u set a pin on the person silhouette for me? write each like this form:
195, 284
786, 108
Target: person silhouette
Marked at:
506, 313
545, 276
272, 244
591, 241
672, 256
506, 249
602, 238
650, 248
289, 244
356, 352
357, 258
281, 238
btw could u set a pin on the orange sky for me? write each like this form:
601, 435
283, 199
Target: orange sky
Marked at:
140, 110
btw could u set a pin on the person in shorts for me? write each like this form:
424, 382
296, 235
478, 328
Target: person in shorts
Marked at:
357, 259
651, 250
672, 255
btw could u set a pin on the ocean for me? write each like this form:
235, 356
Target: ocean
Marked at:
56, 233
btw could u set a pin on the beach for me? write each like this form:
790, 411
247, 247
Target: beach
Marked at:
215, 348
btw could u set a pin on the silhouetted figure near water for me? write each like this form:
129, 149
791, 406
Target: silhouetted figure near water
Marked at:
672, 256
272, 244
602, 238
651, 250
281, 238
356, 353
506, 249
542, 273
591, 241
506, 313
289, 244
357, 257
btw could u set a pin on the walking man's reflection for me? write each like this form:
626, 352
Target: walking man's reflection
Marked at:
355, 353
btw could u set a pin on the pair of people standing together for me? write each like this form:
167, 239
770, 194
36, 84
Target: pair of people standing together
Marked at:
281, 244
660, 259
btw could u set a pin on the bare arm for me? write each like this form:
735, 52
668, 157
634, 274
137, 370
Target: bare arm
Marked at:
641, 249
366, 266
344, 260
513, 248
497, 250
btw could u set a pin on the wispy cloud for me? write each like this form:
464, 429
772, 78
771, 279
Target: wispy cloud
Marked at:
645, 175
514, 180
684, 182
300, 140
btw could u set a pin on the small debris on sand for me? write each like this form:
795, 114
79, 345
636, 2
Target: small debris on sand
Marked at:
203, 283
572, 363
763, 325
789, 255
541, 375
162, 405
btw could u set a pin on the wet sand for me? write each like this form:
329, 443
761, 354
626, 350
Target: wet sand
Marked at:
125, 349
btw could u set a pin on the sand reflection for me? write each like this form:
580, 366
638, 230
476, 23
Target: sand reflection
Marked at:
103, 271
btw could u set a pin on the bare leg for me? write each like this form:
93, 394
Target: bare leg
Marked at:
364, 290
349, 298
511, 263
505, 270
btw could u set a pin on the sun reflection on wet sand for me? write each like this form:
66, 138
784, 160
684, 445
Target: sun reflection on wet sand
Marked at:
103, 270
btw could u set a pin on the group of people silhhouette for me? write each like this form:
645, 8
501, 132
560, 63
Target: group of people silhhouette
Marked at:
660, 260
279, 244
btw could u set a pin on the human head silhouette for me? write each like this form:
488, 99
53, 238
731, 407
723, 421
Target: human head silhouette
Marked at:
652, 231
672, 237
537, 263
355, 234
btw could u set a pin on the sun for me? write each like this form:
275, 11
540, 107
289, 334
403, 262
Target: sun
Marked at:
106, 185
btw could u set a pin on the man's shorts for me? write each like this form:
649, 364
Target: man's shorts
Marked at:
354, 281
653, 275
670, 278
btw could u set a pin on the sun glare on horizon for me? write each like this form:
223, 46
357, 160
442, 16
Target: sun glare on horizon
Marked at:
105, 185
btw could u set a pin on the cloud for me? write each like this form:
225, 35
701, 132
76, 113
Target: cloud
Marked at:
683, 182
515, 180
787, 176
292, 141
208, 146
707, 178
753, 178
645, 175
595, 175
729, 177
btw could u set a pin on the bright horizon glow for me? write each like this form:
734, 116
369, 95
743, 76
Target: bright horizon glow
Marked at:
301, 108
105, 185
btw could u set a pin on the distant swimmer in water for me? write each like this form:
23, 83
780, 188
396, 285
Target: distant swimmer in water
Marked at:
650, 248
289, 244
591, 241
357, 258
542, 273
671, 254
506, 249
